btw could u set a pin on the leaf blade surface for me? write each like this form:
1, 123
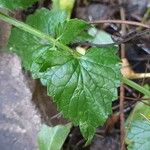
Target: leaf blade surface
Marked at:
52, 138
14, 4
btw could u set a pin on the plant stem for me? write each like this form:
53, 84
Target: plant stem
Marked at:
34, 32
136, 86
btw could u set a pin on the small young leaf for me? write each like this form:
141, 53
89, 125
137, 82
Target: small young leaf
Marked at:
52, 138
138, 127
14, 4
71, 30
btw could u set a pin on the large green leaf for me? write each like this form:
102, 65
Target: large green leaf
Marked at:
52, 138
83, 86
14, 4
138, 127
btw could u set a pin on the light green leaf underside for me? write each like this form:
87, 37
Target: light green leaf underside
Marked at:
83, 87
138, 127
52, 138
15, 4
100, 37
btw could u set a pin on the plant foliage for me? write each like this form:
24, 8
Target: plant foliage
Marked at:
82, 86
52, 138
15, 4
138, 127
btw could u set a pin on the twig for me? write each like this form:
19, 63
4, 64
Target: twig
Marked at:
58, 115
139, 76
134, 23
122, 128
145, 17
138, 99
122, 89
136, 86
130, 91
124, 39
145, 74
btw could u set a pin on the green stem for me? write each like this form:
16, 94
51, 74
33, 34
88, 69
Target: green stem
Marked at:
34, 32
136, 86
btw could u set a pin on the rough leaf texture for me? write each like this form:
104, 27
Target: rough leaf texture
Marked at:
14, 4
138, 128
83, 86
71, 29
52, 138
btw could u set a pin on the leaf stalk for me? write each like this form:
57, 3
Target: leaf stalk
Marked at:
34, 32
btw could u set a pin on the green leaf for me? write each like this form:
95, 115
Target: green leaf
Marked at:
71, 30
25, 44
138, 127
50, 22
100, 37
14, 4
83, 87
52, 138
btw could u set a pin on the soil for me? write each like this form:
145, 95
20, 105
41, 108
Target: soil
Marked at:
137, 54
